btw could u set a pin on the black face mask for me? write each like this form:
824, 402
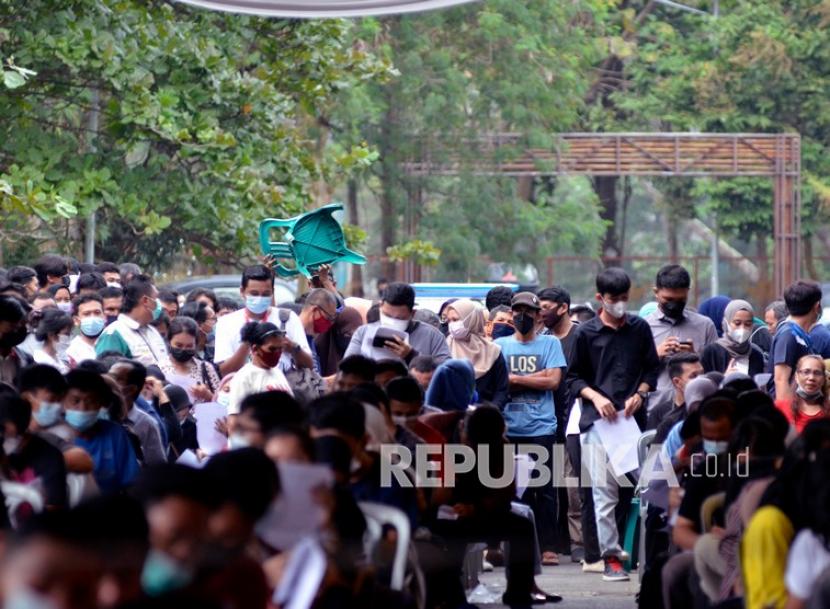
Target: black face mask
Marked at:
524, 323
551, 318
673, 309
182, 355
13, 338
111, 318
500, 330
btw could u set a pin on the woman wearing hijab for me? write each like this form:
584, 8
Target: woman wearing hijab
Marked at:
734, 352
466, 341
714, 308
332, 344
452, 387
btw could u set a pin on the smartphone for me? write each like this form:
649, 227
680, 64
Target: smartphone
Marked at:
383, 335
686, 342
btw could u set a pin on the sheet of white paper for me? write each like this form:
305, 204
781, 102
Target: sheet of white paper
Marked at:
295, 513
374, 352
210, 440
190, 459
523, 465
573, 419
620, 442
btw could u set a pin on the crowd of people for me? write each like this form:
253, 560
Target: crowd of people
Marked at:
152, 441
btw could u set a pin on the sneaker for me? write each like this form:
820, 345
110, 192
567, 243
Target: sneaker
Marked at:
578, 554
593, 567
614, 571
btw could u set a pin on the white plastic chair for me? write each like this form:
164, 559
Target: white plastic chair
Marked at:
377, 515
17, 495
80, 487
643, 444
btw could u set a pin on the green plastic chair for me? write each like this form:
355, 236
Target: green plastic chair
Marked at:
312, 240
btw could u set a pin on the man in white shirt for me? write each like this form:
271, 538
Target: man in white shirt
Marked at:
258, 295
131, 334
89, 318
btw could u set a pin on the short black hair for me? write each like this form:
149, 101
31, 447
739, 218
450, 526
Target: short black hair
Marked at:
400, 295
11, 309
556, 294
53, 290
247, 479
89, 382
156, 483
20, 274
613, 281
196, 311
499, 309
360, 366
340, 412
674, 365
370, 393
41, 376
405, 389
15, 409
760, 435
107, 267
137, 374
111, 292
300, 433
272, 409
673, 276
717, 406
582, 312
373, 313
17, 288
169, 296
91, 281
485, 426
137, 288
498, 295
125, 269
424, 363
227, 303
802, 296
85, 298
257, 272
52, 322
196, 292
391, 365
50, 265
257, 332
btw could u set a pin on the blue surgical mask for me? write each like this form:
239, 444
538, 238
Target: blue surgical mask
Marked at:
48, 414
157, 311
92, 326
81, 420
257, 304
713, 447
237, 440
162, 574
103, 415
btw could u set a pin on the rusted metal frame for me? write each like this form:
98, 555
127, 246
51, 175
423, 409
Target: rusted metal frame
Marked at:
647, 153
603, 141
743, 140
706, 153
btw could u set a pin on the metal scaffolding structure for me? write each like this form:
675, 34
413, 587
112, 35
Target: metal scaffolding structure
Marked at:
776, 156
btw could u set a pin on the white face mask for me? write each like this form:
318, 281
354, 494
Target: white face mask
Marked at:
615, 309
224, 398
10, 445
62, 344
237, 440
396, 324
457, 330
740, 336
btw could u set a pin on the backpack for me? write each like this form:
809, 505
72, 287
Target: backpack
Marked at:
306, 384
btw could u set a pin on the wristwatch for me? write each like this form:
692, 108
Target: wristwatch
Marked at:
643, 395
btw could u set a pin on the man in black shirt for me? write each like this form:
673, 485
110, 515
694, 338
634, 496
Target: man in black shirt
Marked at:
614, 367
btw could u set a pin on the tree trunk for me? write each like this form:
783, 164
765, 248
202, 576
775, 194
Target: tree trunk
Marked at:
809, 258
606, 189
356, 284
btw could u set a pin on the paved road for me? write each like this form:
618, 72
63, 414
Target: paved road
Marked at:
579, 590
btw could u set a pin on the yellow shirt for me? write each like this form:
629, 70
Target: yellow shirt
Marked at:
764, 548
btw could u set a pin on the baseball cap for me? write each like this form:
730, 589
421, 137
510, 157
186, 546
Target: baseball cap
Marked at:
527, 299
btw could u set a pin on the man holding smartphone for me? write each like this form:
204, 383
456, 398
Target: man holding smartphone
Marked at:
674, 327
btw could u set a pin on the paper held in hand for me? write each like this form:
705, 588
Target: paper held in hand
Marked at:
619, 439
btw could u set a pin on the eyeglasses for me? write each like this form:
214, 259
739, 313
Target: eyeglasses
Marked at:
807, 372
329, 316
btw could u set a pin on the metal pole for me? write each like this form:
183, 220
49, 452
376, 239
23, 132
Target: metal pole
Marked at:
92, 129
715, 288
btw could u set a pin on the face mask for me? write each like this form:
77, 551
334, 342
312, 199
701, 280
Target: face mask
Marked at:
48, 414
162, 574
113, 284
524, 323
673, 309
815, 396
92, 326
237, 440
500, 330
224, 398
257, 304
712, 447
402, 420
24, 598
111, 318
615, 309
551, 318
13, 338
157, 311
740, 336
457, 330
66, 307
81, 420
10, 445
182, 355
396, 324
103, 415
270, 358
62, 345
322, 325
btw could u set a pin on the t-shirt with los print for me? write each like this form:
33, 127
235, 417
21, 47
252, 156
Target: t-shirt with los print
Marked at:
528, 412
253, 379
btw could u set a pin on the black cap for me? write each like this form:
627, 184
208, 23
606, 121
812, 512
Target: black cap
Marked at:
527, 299
178, 397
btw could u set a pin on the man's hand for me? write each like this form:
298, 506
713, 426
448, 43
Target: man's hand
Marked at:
605, 408
464, 510
633, 404
322, 278
687, 345
399, 347
668, 347
732, 367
